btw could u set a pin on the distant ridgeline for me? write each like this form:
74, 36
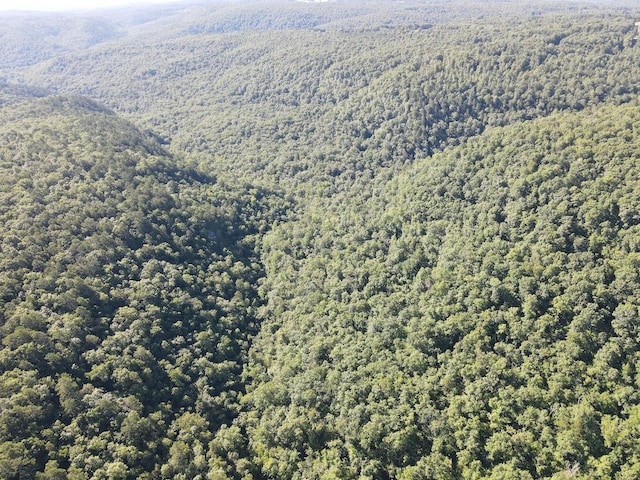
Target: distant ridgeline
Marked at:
351, 240
312, 95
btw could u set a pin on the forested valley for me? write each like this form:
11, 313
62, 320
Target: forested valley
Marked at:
342, 240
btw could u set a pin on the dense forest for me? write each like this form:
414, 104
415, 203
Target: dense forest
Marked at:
344, 240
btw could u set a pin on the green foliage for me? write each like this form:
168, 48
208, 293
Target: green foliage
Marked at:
312, 95
128, 295
355, 240
474, 319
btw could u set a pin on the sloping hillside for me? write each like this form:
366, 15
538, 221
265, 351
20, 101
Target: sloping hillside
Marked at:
301, 98
476, 319
128, 295
355, 240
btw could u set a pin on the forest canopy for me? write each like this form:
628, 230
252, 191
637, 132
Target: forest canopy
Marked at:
355, 240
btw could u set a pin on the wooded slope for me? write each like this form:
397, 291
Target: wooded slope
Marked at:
355, 240
475, 319
128, 295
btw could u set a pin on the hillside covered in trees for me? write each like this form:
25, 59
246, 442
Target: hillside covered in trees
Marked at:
354, 240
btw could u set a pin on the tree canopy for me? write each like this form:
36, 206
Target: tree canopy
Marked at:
355, 240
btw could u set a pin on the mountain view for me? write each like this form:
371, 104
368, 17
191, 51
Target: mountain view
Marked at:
354, 239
